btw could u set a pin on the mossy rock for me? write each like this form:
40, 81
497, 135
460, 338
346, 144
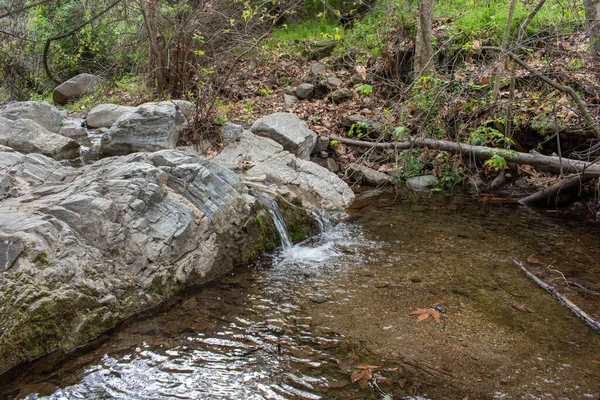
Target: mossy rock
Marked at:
299, 223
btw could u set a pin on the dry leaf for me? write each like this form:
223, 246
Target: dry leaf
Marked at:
362, 71
424, 313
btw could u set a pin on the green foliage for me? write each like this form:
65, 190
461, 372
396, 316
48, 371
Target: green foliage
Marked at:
488, 136
400, 133
334, 143
486, 19
496, 161
358, 130
260, 221
364, 89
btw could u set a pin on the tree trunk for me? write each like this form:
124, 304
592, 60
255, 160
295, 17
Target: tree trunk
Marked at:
592, 15
423, 50
150, 15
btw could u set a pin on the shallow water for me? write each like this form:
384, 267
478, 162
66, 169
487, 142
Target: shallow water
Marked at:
329, 319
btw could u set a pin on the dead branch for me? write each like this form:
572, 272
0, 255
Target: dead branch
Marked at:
24, 8
585, 317
541, 162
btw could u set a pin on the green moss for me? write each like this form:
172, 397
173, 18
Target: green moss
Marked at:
300, 225
42, 259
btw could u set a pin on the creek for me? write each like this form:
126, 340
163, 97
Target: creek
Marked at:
330, 318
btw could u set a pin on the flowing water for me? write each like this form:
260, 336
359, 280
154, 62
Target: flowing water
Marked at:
330, 318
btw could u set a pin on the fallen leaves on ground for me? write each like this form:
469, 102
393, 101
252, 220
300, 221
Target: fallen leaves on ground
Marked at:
425, 313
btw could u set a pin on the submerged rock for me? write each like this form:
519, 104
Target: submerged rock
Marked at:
82, 249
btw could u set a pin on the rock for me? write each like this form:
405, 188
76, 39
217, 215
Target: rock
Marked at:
82, 249
104, 115
75, 87
474, 183
322, 145
149, 127
44, 114
328, 163
75, 132
318, 68
370, 124
231, 132
305, 90
341, 95
27, 136
322, 49
186, 107
422, 182
356, 79
367, 176
268, 157
289, 131
334, 83
289, 100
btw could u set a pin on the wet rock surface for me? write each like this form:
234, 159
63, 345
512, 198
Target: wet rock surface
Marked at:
84, 248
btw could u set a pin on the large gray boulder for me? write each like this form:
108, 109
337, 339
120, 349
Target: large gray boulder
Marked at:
74, 88
44, 114
259, 155
149, 127
289, 131
27, 136
83, 248
104, 115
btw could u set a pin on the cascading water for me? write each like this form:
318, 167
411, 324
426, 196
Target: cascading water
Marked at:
310, 252
284, 235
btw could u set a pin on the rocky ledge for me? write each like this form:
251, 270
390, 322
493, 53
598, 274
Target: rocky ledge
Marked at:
82, 249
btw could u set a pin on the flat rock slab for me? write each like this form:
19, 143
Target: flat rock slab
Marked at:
149, 127
27, 136
104, 115
75, 87
262, 155
44, 114
289, 131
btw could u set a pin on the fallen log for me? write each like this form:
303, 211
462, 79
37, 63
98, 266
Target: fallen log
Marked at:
585, 317
543, 163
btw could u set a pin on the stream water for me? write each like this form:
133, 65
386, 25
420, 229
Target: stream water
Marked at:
330, 318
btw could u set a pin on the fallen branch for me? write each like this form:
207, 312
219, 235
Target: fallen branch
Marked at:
549, 195
541, 162
585, 317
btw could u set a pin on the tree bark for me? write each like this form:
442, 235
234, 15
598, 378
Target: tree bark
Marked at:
149, 13
423, 49
541, 162
592, 15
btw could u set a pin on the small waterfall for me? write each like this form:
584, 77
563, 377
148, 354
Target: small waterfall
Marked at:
284, 235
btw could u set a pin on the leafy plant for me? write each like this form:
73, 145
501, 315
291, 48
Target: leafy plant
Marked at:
358, 129
364, 89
